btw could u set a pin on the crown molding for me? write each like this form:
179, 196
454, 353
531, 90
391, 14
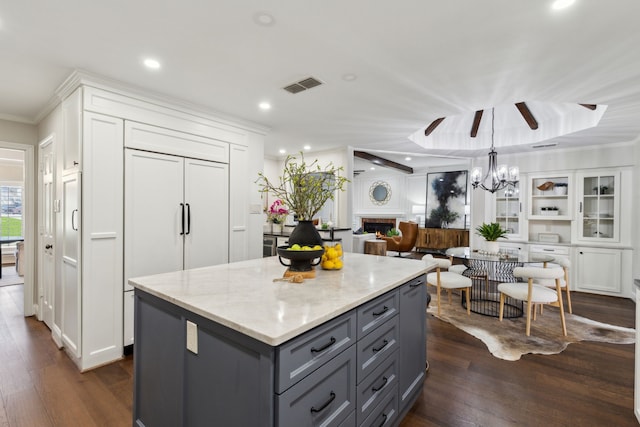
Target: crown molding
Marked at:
84, 78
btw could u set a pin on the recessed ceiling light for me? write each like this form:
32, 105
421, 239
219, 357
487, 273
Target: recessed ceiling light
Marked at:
264, 19
264, 106
562, 4
152, 64
408, 159
307, 147
372, 168
349, 77
282, 151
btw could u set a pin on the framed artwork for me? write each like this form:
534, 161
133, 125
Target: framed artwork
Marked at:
446, 199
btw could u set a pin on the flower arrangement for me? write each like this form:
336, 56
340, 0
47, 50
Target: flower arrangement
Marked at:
277, 212
303, 187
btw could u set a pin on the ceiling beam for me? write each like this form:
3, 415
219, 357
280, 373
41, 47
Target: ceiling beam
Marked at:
590, 106
434, 124
382, 162
476, 123
527, 116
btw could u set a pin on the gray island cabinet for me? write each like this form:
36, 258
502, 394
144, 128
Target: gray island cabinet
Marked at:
226, 346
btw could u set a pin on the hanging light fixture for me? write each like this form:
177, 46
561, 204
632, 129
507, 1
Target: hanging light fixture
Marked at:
499, 176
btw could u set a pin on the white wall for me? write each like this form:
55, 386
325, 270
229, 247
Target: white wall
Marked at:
407, 191
21, 133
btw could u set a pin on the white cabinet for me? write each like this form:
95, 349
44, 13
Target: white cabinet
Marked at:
70, 271
550, 207
71, 152
175, 213
598, 206
176, 216
509, 212
599, 270
90, 301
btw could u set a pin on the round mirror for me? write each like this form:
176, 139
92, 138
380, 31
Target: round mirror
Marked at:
379, 193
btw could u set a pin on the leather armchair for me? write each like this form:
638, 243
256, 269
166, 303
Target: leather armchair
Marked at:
406, 241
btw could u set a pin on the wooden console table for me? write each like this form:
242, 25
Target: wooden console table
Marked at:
441, 238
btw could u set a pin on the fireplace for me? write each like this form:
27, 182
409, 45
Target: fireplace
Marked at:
382, 225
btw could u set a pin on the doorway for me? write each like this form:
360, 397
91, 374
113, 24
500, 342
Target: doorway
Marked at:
28, 225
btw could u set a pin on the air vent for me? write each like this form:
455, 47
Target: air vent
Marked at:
304, 84
544, 145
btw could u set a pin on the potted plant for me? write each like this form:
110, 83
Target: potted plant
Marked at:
304, 188
491, 233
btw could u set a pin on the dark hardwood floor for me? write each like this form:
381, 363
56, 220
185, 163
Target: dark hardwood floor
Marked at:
589, 384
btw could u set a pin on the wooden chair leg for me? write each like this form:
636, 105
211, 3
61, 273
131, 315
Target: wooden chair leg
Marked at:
568, 292
438, 298
467, 291
449, 294
562, 320
528, 328
501, 305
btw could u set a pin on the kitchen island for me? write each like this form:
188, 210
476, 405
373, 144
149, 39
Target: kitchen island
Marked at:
225, 345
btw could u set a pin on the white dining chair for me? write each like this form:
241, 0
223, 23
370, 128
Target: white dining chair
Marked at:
533, 293
565, 264
447, 280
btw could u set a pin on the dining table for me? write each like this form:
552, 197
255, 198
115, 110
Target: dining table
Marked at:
487, 271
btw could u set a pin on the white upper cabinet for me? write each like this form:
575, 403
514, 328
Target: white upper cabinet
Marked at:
550, 207
598, 206
509, 211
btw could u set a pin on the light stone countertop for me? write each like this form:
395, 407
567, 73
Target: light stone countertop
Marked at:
243, 296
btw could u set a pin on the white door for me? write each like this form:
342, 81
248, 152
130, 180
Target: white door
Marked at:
70, 269
154, 213
206, 195
47, 231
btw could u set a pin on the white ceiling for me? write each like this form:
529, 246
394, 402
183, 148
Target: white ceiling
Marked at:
415, 61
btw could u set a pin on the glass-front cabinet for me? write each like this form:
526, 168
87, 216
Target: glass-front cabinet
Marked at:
508, 211
598, 206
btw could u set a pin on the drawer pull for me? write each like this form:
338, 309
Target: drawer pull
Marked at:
384, 420
384, 344
384, 383
331, 342
380, 313
415, 284
332, 396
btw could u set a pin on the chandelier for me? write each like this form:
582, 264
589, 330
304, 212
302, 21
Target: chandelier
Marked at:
498, 176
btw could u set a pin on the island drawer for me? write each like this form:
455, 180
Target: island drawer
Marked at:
374, 388
376, 312
326, 397
299, 357
386, 413
376, 347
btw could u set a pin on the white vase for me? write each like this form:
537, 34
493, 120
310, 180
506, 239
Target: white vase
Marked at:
492, 247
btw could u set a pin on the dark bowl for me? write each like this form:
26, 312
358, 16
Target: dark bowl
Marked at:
299, 260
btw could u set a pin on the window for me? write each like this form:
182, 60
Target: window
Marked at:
10, 211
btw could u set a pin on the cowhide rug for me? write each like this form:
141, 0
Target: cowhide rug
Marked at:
507, 340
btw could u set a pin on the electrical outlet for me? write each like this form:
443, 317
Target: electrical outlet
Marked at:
192, 337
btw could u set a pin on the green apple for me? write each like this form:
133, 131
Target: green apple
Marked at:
295, 247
